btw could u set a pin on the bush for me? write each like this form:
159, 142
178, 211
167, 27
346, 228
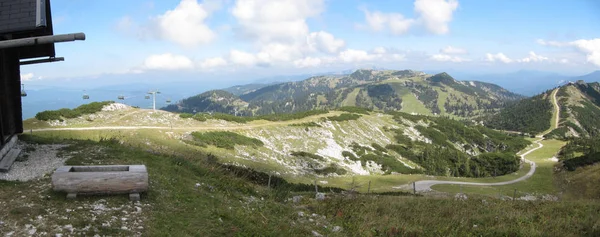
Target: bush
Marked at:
90, 108
226, 140
354, 109
349, 155
344, 117
331, 169
306, 154
307, 124
589, 159
186, 115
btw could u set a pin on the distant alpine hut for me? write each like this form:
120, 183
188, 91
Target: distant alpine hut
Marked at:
26, 37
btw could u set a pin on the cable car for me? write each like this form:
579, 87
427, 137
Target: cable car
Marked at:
85, 96
23, 93
147, 97
121, 97
168, 101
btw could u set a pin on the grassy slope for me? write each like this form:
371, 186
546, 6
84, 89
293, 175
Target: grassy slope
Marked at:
542, 182
350, 100
228, 204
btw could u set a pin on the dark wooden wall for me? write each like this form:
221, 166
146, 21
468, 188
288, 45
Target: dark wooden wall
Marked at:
11, 122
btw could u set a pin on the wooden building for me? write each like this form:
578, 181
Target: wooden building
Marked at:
26, 37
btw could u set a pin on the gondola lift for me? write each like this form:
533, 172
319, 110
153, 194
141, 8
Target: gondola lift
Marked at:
85, 96
23, 92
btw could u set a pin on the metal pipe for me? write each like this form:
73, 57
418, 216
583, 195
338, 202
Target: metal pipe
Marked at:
46, 60
41, 40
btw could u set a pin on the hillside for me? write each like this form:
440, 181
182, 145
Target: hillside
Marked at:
352, 141
530, 115
580, 116
387, 90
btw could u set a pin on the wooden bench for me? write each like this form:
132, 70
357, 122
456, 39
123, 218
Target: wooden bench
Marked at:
101, 179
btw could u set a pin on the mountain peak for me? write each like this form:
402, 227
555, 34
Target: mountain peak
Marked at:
442, 78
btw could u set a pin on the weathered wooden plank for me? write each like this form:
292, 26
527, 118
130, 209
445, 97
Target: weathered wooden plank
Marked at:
96, 180
9, 159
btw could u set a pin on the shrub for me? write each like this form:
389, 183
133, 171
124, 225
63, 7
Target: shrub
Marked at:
226, 140
344, 117
306, 154
90, 108
331, 169
354, 109
186, 115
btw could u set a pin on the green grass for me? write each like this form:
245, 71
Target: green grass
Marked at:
408, 216
344, 117
350, 100
226, 140
542, 181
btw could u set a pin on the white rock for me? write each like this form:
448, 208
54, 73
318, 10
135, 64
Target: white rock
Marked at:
320, 196
300, 213
316, 234
296, 199
336, 229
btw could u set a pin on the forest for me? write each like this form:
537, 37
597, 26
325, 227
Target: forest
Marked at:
531, 116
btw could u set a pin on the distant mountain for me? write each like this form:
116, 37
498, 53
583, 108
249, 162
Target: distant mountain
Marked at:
387, 90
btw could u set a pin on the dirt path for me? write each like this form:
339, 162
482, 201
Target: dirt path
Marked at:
425, 185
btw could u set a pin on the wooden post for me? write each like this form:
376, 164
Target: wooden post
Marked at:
269, 184
414, 187
369, 189
316, 188
515, 194
461, 188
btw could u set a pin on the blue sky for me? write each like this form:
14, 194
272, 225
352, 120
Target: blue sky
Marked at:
202, 40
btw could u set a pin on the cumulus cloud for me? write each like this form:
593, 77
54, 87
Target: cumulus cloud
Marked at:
185, 25
275, 20
434, 15
308, 62
167, 61
448, 58
497, 57
591, 48
354, 55
27, 76
395, 22
453, 50
532, 57
325, 42
242, 58
212, 63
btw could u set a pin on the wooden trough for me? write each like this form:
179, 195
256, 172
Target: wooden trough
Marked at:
101, 179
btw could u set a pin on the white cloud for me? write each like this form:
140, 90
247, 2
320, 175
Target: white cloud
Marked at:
308, 62
353, 55
167, 61
27, 76
242, 58
448, 58
564, 61
275, 20
395, 22
325, 42
436, 14
497, 57
453, 50
185, 24
551, 43
591, 48
212, 63
379, 50
533, 58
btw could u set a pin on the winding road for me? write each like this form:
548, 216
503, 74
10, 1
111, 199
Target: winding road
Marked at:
425, 185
